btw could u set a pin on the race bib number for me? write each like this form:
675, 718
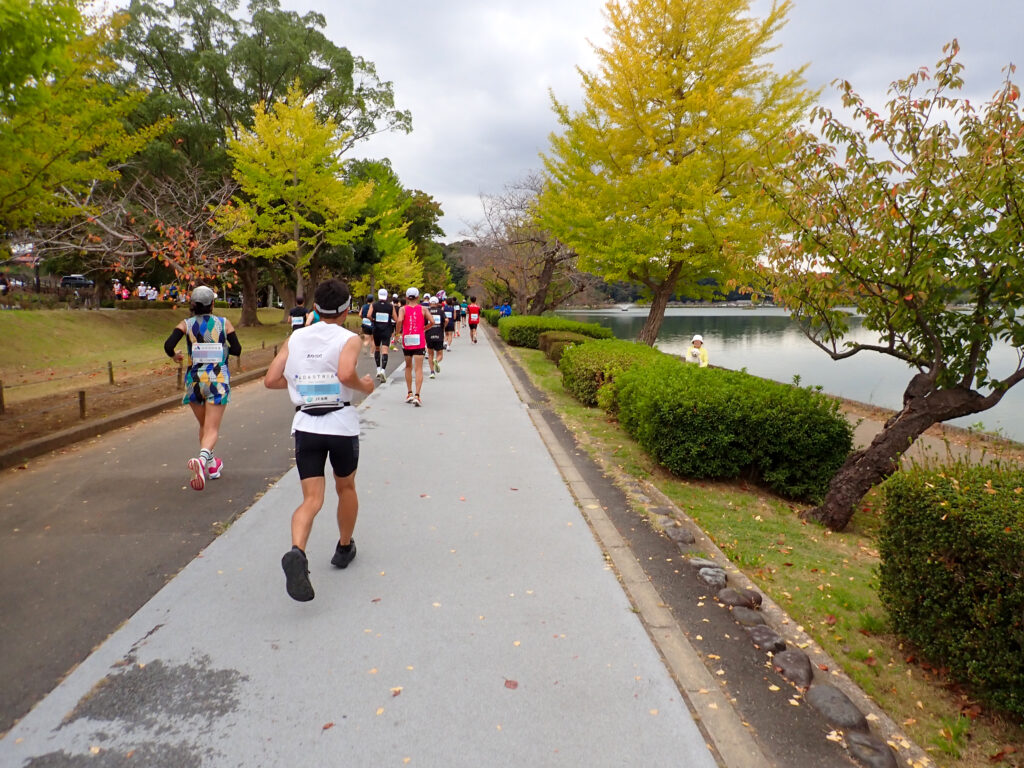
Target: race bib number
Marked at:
318, 388
382, 317
473, 317
412, 340
448, 314
367, 322
205, 353
298, 321
437, 319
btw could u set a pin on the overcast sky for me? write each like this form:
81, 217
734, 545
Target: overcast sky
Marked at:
476, 73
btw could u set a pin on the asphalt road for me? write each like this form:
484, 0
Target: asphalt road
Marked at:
89, 533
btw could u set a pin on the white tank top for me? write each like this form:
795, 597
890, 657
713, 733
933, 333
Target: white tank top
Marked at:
311, 371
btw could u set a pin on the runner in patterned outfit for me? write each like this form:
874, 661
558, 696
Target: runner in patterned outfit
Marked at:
210, 339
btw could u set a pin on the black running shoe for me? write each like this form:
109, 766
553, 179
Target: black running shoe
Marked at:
344, 555
296, 571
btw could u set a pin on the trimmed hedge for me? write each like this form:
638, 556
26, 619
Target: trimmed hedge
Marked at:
554, 343
952, 573
586, 369
492, 316
525, 330
144, 304
719, 424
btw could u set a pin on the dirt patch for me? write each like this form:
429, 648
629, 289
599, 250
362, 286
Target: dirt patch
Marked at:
28, 420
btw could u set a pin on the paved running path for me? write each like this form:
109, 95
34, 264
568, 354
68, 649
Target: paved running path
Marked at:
479, 625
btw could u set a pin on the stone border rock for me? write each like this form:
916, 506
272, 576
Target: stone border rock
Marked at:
790, 650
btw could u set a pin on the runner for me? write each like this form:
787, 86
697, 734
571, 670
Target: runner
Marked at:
297, 314
209, 339
317, 365
383, 313
450, 321
397, 305
366, 320
413, 321
465, 312
435, 337
473, 316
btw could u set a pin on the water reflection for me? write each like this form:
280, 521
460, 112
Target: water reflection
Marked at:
767, 342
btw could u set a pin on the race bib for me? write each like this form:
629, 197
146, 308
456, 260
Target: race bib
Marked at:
437, 319
205, 353
367, 322
448, 314
411, 340
473, 317
318, 388
382, 317
298, 321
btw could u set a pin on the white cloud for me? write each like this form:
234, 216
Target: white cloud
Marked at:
476, 75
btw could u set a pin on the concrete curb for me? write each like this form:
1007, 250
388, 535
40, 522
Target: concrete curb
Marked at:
12, 457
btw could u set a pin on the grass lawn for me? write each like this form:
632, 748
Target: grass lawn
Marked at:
47, 351
826, 581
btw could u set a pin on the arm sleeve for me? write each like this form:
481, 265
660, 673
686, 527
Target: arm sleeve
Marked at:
172, 341
234, 345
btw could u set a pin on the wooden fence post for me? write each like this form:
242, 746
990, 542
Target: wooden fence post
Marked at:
179, 373
110, 371
2, 406
81, 403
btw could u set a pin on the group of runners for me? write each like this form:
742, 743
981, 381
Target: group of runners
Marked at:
317, 365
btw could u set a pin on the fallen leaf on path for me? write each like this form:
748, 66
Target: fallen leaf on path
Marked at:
327, 726
511, 684
396, 691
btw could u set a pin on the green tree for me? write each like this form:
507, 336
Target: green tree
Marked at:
294, 201
917, 224
650, 181
63, 130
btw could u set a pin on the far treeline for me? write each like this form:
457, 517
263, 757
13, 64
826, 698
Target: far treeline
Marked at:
193, 141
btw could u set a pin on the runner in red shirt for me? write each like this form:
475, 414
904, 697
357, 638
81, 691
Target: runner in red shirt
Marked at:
413, 322
473, 317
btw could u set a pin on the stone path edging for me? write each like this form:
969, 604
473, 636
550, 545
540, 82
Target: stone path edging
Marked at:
645, 494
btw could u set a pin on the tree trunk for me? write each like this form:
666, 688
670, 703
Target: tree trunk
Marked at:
248, 272
539, 301
287, 299
659, 300
867, 467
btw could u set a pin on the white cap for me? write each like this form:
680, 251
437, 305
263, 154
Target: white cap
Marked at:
433, 300
412, 292
698, 337
382, 294
203, 296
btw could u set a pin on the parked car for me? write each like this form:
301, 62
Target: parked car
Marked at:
76, 281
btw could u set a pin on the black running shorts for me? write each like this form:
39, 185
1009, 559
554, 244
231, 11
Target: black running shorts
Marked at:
312, 450
435, 344
411, 352
381, 338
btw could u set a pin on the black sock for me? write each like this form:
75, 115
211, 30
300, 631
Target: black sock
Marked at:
376, 357
344, 547
384, 361
300, 550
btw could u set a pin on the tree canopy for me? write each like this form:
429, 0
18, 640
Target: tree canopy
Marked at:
915, 221
649, 182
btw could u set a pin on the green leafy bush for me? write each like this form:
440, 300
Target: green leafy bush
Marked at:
719, 424
144, 304
525, 330
952, 573
492, 316
547, 338
586, 369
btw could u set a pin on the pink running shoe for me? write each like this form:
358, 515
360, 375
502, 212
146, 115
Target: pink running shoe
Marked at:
214, 468
198, 470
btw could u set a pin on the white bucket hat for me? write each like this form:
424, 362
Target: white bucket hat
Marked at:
698, 337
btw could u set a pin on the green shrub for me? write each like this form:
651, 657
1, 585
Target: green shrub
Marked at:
586, 369
525, 330
718, 424
144, 304
952, 573
492, 316
547, 338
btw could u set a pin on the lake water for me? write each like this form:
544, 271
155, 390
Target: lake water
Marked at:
768, 343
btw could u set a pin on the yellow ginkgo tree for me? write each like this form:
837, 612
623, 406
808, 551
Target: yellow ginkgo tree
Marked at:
649, 182
294, 200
